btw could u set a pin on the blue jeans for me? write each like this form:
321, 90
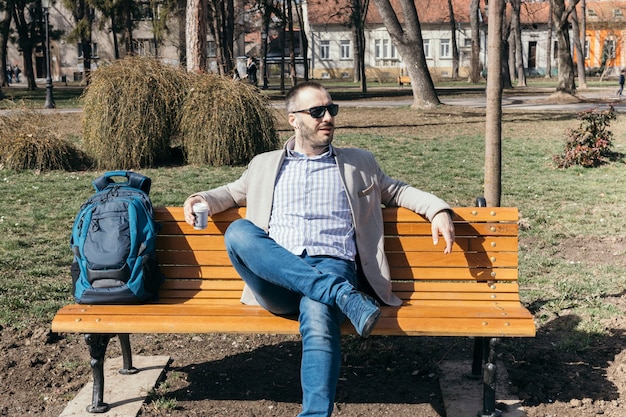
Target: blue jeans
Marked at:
284, 283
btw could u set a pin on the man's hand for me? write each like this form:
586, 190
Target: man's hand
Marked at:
442, 224
190, 217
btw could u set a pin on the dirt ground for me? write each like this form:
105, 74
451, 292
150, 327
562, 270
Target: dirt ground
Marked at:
258, 375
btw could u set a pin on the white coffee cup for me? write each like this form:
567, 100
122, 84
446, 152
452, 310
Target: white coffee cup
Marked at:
201, 210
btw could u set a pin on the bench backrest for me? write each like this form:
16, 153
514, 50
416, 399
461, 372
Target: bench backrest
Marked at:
482, 268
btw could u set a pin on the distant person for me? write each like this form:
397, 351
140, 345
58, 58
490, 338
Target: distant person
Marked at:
17, 71
252, 71
622, 78
9, 74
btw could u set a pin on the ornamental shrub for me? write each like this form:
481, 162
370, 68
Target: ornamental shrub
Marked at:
131, 112
225, 122
589, 145
26, 143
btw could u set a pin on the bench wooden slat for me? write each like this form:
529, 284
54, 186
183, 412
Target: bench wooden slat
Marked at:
396, 215
413, 286
403, 229
173, 272
163, 318
392, 243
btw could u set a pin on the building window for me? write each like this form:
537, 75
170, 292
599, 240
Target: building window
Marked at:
345, 49
211, 49
94, 50
385, 49
609, 49
444, 51
427, 48
555, 50
325, 50
144, 47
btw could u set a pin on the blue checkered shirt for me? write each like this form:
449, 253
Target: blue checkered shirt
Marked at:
311, 211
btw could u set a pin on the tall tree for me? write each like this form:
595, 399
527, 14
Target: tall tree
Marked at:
6, 9
26, 16
221, 18
475, 67
549, 42
293, 74
516, 31
410, 44
304, 39
195, 36
560, 16
455, 47
358, 13
493, 119
580, 54
83, 14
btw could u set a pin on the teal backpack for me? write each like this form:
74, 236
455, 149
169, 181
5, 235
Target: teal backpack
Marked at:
113, 241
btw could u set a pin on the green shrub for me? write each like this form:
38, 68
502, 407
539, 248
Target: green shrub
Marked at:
589, 145
225, 122
131, 111
26, 144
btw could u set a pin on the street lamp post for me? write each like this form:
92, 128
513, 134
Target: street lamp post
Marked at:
46, 4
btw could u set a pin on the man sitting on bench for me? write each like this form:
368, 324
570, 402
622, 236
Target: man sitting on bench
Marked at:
310, 206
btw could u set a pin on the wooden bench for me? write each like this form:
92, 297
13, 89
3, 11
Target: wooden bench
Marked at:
404, 79
471, 292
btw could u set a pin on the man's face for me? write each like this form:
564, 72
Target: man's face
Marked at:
313, 135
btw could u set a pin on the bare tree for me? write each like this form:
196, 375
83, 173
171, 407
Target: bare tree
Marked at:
455, 47
475, 67
580, 54
195, 36
516, 31
221, 23
549, 43
560, 15
493, 119
5, 29
410, 44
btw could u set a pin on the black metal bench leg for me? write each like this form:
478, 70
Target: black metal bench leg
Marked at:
97, 348
478, 358
489, 383
127, 355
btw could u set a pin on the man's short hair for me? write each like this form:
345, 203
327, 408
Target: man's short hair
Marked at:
293, 93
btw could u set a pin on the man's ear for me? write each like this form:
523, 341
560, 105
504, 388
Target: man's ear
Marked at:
293, 121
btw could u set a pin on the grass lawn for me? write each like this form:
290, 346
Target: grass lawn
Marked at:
572, 250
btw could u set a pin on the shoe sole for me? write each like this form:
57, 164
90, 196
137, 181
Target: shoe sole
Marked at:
370, 324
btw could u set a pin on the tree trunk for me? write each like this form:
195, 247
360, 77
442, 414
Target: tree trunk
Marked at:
475, 67
580, 53
5, 30
549, 46
195, 36
493, 119
565, 82
516, 29
304, 41
455, 47
409, 42
292, 51
505, 31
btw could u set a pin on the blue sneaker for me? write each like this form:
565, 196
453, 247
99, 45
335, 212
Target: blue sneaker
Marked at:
362, 310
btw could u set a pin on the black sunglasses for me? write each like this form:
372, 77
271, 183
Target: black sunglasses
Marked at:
319, 111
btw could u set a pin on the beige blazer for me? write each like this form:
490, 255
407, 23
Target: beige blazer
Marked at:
368, 189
